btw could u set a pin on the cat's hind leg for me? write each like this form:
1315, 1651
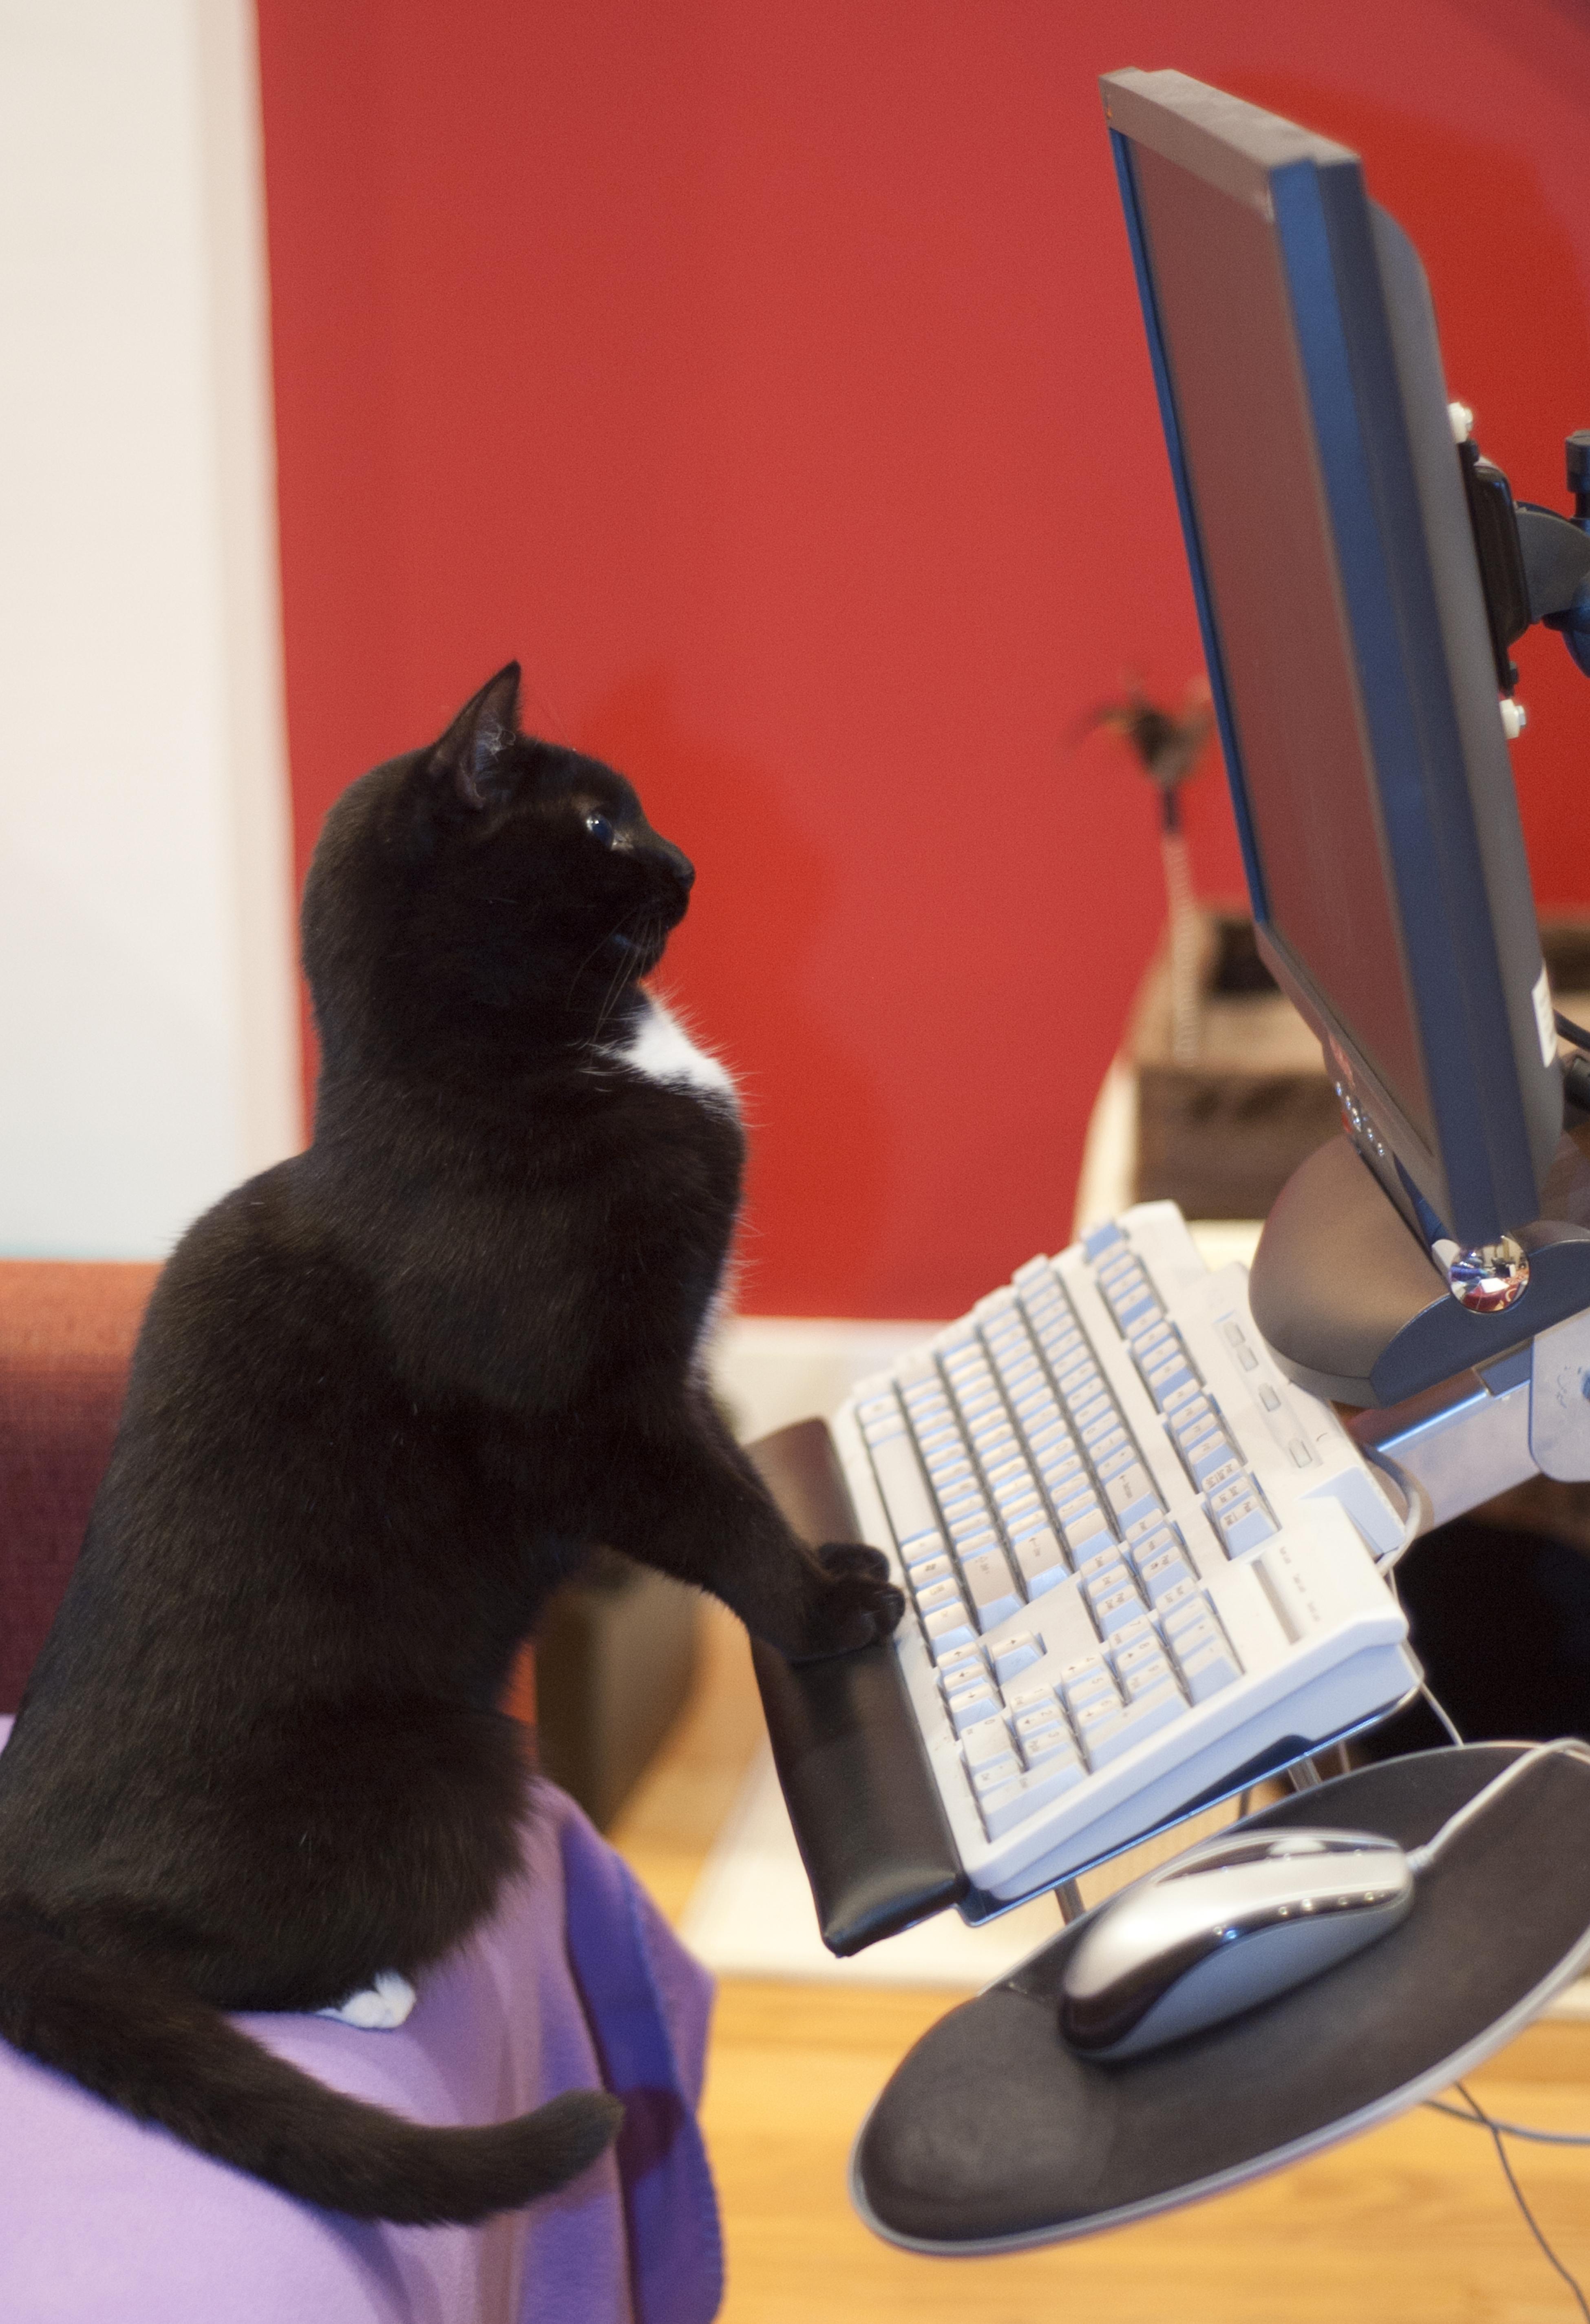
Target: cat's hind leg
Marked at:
379, 2007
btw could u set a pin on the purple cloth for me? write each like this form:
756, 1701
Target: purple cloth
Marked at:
575, 1982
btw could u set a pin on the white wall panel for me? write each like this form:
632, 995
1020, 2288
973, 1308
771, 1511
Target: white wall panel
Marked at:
148, 1046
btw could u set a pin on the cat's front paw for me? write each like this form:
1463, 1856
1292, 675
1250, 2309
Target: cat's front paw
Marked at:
858, 1604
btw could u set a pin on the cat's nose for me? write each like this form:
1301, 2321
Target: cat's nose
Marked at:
680, 865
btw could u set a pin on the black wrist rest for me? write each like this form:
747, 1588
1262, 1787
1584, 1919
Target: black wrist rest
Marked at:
851, 1759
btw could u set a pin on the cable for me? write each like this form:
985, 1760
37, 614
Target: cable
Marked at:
1569, 1030
1440, 1711
1567, 1746
1479, 2115
1512, 2129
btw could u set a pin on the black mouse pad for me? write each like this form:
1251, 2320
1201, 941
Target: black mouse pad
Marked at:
991, 2133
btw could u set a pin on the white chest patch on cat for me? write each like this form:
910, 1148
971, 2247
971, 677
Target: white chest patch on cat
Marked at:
660, 1048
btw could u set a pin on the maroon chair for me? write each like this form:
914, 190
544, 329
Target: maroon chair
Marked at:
67, 1330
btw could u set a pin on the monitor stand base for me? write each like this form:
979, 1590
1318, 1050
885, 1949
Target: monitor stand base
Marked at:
1355, 1308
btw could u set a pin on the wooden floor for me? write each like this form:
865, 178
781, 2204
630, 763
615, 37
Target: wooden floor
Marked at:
1411, 2225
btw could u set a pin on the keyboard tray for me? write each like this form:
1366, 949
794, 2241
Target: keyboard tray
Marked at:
849, 1756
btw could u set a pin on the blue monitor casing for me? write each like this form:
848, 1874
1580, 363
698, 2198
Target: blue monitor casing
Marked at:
1294, 350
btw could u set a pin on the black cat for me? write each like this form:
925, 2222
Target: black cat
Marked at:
387, 1395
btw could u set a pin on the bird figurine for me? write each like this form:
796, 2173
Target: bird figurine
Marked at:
1167, 744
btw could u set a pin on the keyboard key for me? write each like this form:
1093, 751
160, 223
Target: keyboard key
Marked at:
1145, 1677
931, 1595
972, 1705
1212, 1453
1039, 1562
1145, 1718
1121, 1607
1102, 1238
1146, 1648
1160, 1573
918, 1552
986, 1742
946, 1463
1239, 1488
1086, 1681
1089, 1527
1168, 1379
1010, 1803
1047, 1718
991, 1588
1065, 1482
1049, 1744
1209, 1667
1183, 1611
990, 1436
1095, 1724
1031, 1521
904, 1488
1016, 1655
1109, 1466
1244, 1527
972, 1540
1196, 1634
928, 1570
1148, 1337
961, 1667
1103, 1557
1070, 1491
951, 1626
1112, 1575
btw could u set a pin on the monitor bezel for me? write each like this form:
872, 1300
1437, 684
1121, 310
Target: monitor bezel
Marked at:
1452, 850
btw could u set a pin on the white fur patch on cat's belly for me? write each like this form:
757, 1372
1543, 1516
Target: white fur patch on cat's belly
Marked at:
379, 2007
662, 1050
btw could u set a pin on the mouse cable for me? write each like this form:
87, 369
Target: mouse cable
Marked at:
1566, 1746
1569, 1030
1441, 1711
1479, 2119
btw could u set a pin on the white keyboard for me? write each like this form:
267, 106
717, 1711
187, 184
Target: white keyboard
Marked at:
1141, 1565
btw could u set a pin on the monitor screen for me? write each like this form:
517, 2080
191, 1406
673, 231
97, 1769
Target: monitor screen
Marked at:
1344, 625
1276, 601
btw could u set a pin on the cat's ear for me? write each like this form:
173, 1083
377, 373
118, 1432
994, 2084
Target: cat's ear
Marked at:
480, 739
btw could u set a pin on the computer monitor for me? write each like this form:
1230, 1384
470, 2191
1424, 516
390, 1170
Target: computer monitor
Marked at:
1344, 623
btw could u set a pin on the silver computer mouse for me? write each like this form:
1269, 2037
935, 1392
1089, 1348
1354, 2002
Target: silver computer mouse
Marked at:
1229, 1923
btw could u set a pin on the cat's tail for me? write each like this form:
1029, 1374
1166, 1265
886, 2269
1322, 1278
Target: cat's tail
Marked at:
168, 2058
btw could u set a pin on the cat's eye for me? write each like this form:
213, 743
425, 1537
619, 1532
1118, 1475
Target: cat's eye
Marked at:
601, 828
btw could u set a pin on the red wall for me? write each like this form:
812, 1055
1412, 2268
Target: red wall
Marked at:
768, 378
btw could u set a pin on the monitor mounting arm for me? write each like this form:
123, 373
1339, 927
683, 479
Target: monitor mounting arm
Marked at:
1534, 564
